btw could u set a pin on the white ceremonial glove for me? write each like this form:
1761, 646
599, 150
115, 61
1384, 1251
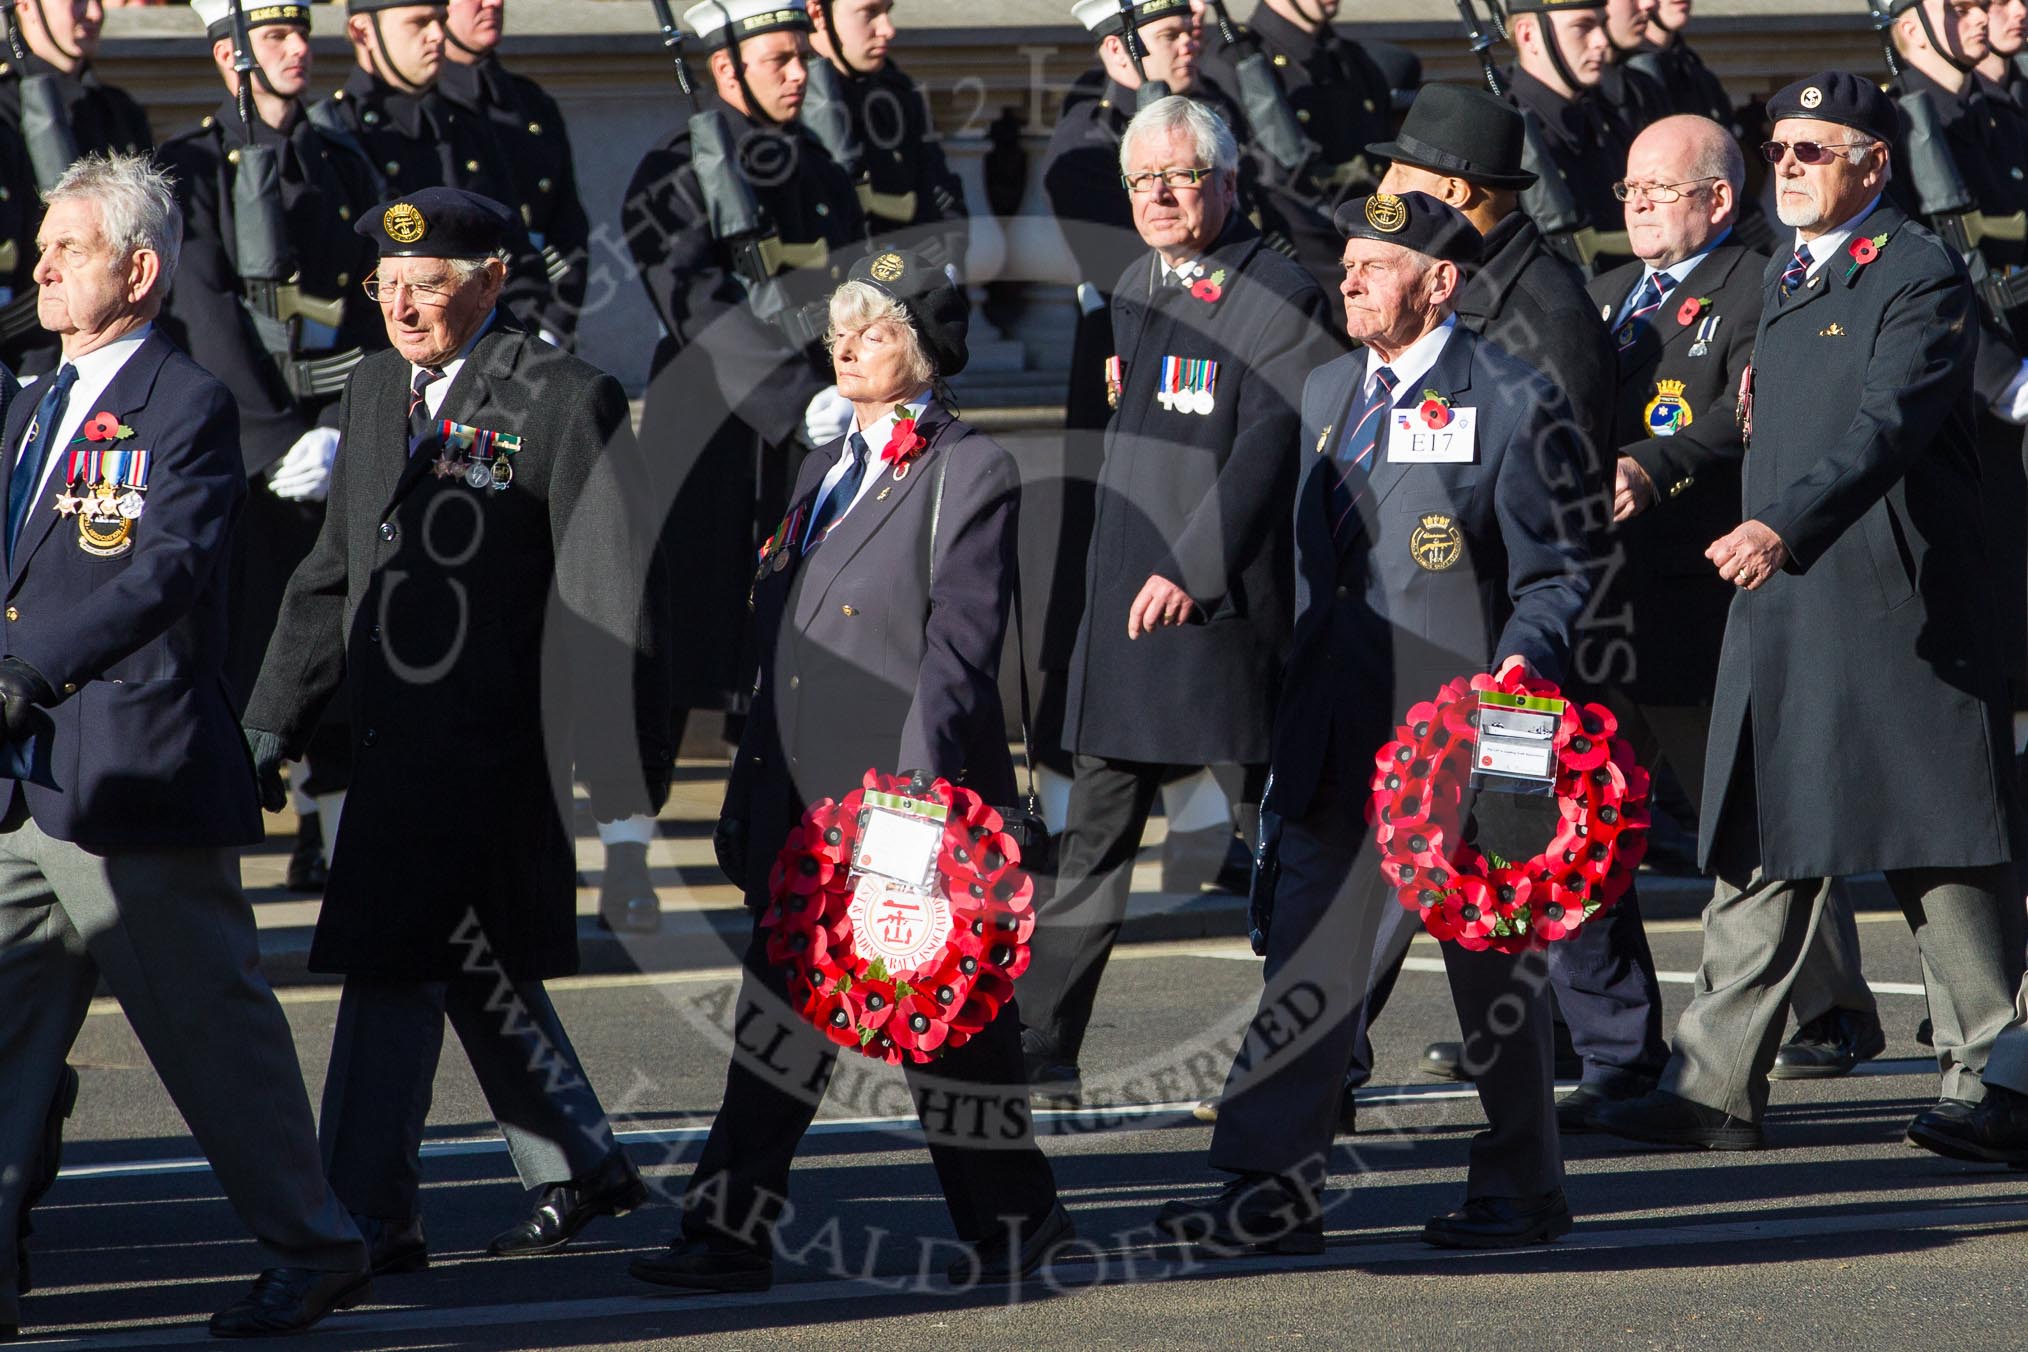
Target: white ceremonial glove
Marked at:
828, 418
2012, 404
304, 474
550, 336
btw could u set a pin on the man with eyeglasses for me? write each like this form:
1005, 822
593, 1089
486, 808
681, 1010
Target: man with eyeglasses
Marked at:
61, 42
476, 621
1857, 723
1187, 606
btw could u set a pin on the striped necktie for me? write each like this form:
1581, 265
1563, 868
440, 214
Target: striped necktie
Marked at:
1647, 299
420, 423
1355, 453
1798, 268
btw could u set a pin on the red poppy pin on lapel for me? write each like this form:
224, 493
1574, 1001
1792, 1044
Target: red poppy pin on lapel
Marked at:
903, 447
1687, 313
1863, 251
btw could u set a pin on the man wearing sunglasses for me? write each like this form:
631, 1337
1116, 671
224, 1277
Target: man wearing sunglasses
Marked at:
1857, 723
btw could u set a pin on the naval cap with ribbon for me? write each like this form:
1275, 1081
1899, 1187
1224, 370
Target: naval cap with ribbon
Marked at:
438, 223
1552, 6
1105, 19
725, 23
1414, 220
217, 15
374, 6
1841, 97
936, 308
1462, 132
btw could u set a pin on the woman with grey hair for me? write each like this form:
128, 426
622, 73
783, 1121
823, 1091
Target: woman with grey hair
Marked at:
880, 605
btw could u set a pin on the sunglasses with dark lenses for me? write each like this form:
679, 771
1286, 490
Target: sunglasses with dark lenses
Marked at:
1807, 152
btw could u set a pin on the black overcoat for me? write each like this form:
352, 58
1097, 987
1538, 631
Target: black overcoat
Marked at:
1202, 499
1867, 665
1658, 616
489, 639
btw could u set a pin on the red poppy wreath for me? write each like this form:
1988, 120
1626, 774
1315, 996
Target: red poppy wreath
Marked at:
1481, 900
955, 951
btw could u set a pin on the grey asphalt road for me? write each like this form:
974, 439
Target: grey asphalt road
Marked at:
1838, 1235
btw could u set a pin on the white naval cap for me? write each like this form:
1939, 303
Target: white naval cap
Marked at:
722, 23
217, 15
1104, 17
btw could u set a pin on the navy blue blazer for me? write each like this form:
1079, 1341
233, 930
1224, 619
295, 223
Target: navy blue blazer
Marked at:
146, 752
1455, 568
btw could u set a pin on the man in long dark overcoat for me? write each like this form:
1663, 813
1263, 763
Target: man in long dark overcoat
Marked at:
1858, 720
486, 583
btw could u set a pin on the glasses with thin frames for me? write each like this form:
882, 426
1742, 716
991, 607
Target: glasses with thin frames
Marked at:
423, 297
1661, 194
1175, 180
1807, 152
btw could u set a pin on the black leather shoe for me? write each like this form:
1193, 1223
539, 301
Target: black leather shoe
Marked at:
1501, 1223
1445, 1060
1574, 1110
47, 1166
307, 871
289, 1300
693, 1265
612, 1189
1992, 1131
627, 900
1252, 1214
1829, 1046
997, 1261
1662, 1118
394, 1247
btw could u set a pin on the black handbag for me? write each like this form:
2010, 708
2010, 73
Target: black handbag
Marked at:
1023, 820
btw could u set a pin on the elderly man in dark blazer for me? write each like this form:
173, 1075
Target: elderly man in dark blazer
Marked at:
1858, 721
881, 603
119, 855
1186, 597
486, 583
1409, 572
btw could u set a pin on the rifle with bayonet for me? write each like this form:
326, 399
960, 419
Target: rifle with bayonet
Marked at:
286, 319
1137, 52
52, 149
1261, 97
1549, 201
737, 219
1941, 196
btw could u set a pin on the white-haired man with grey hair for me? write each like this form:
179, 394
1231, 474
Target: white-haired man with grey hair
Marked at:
128, 791
1187, 598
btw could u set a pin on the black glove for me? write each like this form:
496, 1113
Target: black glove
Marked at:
21, 690
265, 748
728, 843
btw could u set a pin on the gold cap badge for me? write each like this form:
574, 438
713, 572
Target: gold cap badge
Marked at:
887, 268
404, 224
1386, 213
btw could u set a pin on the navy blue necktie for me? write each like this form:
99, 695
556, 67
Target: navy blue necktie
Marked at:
1355, 453
842, 493
420, 423
1798, 268
21, 488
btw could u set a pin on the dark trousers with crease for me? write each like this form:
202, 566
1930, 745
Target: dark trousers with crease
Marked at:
973, 1103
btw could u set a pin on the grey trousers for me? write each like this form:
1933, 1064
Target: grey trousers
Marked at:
174, 938
1756, 932
383, 1068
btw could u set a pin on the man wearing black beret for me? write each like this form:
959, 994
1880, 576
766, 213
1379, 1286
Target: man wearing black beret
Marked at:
1414, 565
487, 584
1860, 538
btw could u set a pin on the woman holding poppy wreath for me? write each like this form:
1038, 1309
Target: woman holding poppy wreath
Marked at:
881, 603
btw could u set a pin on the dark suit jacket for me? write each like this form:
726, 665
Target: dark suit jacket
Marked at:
1660, 614
1376, 630
1868, 665
146, 752
1203, 500
488, 639
877, 652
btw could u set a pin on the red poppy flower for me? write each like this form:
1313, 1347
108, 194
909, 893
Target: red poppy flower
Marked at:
904, 444
1436, 414
102, 427
1687, 313
1863, 251
1206, 290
